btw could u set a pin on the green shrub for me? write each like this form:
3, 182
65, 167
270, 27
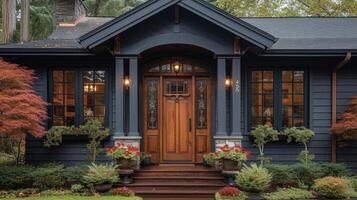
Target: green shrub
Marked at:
331, 187
334, 169
49, 176
304, 175
253, 179
282, 175
99, 174
75, 174
262, 135
77, 188
289, 194
16, 177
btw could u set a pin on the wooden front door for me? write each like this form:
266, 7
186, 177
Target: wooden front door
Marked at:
177, 114
177, 120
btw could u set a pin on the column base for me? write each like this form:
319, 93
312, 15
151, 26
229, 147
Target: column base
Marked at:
128, 140
231, 141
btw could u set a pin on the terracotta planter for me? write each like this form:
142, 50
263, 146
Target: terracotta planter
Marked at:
103, 187
126, 164
231, 165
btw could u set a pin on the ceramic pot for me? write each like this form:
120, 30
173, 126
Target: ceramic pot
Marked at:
126, 164
105, 187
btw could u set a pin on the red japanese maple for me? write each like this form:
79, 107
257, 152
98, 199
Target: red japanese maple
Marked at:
22, 111
346, 127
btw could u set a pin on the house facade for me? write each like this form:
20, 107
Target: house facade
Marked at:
179, 78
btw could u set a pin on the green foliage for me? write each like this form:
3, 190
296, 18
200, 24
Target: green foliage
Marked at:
110, 7
41, 19
92, 129
263, 135
289, 194
241, 196
280, 8
300, 175
96, 135
16, 177
75, 174
77, 188
48, 176
282, 175
331, 187
209, 158
254, 179
100, 174
302, 136
6, 159
55, 134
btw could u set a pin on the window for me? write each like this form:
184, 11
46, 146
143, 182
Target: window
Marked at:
77, 96
277, 98
292, 98
63, 100
94, 95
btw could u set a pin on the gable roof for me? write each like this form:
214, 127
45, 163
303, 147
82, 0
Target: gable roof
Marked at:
203, 9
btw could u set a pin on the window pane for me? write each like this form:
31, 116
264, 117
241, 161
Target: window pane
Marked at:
293, 110
262, 98
63, 93
94, 95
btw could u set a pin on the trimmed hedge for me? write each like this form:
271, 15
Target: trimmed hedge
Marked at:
43, 177
299, 175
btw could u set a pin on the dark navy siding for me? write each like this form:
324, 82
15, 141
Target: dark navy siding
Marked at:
346, 88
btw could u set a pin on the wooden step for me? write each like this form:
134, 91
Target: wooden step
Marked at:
177, 181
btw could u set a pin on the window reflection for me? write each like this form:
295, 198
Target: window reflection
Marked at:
292, 101
262, 98
93, 96
63, 100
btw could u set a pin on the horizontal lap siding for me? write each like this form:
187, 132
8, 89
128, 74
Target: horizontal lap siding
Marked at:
346, 88
319, 120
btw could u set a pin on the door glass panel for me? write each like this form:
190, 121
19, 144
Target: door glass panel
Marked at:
176, 87
201, 104
152, 103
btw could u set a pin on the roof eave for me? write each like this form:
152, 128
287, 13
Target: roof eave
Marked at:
244, 30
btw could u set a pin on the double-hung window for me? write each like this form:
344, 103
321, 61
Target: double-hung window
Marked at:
277, 98
77, 95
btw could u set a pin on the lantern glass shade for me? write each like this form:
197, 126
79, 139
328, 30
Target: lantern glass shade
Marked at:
228, 82
127, 81
177, 67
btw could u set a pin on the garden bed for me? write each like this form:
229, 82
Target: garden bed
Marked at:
70, 197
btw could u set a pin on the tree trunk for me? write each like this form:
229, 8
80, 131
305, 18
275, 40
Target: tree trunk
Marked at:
9, 19
25, 15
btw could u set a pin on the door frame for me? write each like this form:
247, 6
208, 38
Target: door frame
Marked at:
193, 77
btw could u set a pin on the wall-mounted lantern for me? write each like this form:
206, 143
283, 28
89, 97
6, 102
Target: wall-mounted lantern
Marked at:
228, 82
127, 82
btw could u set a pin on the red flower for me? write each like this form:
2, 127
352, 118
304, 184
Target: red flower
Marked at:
229, 191
248, 154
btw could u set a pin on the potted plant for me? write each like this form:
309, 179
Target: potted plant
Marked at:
209, 159
101, 177
126, 157
232, 157
145, 159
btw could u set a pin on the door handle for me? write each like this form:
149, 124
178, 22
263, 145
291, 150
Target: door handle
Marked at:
190, 124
